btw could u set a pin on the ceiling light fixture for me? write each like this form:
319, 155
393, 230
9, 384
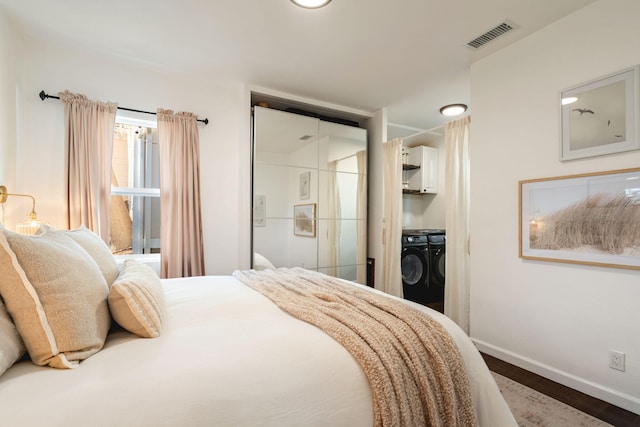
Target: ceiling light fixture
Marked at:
453, 109
311, 4
569, 100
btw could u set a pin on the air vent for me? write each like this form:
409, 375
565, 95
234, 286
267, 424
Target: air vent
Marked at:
305, 137
492, 34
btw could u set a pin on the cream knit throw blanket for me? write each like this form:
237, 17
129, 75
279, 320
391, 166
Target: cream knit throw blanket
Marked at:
415, 371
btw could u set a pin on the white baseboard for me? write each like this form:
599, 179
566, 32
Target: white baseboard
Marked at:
622, 400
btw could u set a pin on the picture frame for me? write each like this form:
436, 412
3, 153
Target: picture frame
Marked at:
305, 185
304, 220
591, 219
259, 210
599, 117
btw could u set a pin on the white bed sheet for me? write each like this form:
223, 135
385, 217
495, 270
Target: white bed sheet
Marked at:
227, 357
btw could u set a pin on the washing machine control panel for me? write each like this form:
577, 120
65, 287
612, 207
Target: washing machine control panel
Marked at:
414, 239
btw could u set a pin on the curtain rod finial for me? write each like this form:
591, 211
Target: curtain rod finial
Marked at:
42, 95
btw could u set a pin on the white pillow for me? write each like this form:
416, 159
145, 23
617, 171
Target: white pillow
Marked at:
95, 246
56, 295
136, 300
261, 263
11, 345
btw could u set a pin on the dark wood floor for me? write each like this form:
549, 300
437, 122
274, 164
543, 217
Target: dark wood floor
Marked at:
590, 405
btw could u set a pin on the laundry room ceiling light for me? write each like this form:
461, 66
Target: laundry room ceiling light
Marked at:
453, 109
311, 4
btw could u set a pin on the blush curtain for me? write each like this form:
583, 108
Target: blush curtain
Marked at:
181, 250
89, 129
457, 189
392, 217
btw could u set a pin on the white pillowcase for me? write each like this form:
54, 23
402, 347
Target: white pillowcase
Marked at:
136, 300
11, 345
95, 247
56, 295
262, 263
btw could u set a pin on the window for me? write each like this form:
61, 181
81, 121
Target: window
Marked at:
135, 188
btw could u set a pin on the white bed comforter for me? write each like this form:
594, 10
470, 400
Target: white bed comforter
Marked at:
227, 357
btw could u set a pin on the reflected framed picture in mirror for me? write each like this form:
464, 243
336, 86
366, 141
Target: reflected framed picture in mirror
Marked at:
259, 210
305, 185
599, 117
304, 220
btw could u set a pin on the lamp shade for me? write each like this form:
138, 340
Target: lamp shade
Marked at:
32, 224
28, 227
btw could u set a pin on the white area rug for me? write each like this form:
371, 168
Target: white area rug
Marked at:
531, 408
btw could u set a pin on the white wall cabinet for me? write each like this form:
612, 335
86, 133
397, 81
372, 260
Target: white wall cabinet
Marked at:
420, 170
424, 209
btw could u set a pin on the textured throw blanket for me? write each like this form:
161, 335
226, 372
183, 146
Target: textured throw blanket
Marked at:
415, 371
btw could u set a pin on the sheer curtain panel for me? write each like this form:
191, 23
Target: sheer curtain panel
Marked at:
335, 213
457, 183
361, 208
89, 129
181, 225
392, 217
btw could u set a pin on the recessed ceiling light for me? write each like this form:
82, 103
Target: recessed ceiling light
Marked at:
453, 109
311, 4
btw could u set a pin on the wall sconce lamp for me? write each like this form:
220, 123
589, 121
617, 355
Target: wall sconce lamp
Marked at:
33, 223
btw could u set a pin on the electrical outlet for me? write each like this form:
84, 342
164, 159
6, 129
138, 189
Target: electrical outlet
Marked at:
616, 360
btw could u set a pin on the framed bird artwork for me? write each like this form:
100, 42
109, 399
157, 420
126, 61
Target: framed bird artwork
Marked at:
599, 116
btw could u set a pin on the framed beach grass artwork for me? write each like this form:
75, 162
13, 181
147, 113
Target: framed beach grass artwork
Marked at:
591, 219
304, 223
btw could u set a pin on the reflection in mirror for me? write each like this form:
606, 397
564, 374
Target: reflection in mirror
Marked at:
300, 161
279, 186
339, 143
285, 139
599, 117
277, 243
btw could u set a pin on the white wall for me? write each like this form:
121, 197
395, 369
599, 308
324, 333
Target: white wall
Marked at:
8, 78
39, 166
559, 320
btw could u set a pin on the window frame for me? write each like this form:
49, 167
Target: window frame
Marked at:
137, 119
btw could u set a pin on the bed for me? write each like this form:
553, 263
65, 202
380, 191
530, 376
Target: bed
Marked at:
223, 355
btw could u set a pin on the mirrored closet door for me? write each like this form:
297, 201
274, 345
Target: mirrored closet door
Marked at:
309, 194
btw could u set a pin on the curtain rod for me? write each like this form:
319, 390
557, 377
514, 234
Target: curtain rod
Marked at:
430, 130
44, 96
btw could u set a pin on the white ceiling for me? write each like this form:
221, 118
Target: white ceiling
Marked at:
407, 55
